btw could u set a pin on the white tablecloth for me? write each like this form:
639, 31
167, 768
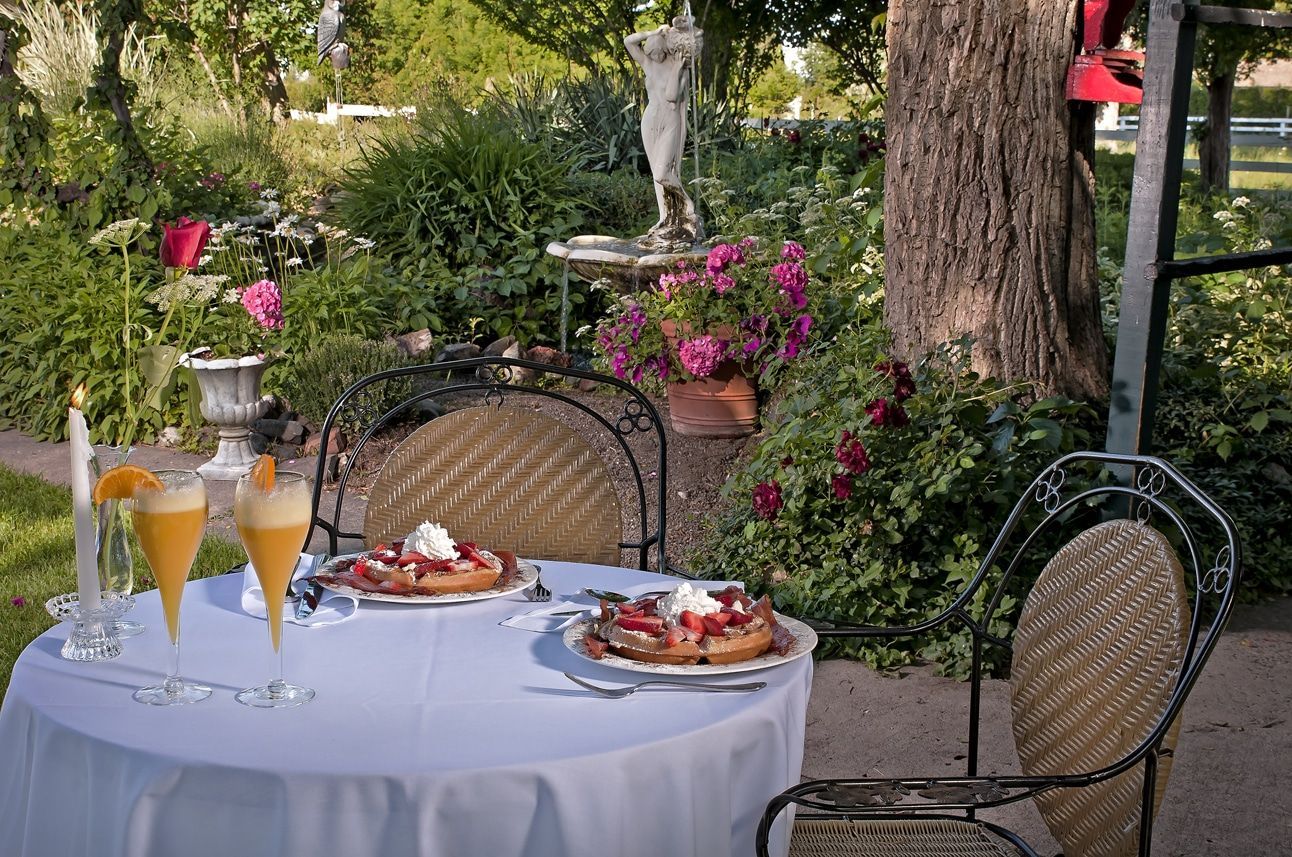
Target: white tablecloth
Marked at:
434, 732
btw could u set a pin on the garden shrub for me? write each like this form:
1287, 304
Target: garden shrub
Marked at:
61, 316
323, 372
851, 510
470, 207
1225, 406
621, 203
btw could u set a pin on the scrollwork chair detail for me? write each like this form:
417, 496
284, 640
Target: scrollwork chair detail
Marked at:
1111, 638
505, 475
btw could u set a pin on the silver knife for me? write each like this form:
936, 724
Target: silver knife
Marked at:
309, 600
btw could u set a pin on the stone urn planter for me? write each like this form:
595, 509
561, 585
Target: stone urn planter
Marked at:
231, 401
723, 405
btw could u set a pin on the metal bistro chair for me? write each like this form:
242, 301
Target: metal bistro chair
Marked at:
1111, 638
501, 474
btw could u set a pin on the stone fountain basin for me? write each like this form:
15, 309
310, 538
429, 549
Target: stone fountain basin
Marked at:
630, 266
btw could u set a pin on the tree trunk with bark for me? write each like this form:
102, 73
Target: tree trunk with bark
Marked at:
988, 196
110, 90
274, 93
1213, 148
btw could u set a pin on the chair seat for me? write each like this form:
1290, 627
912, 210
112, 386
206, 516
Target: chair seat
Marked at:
923, 837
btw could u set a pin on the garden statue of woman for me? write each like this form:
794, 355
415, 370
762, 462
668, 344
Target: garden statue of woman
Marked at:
666, 55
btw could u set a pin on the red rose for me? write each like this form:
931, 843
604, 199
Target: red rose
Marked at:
884, 413
842, 485
183, 243
852, 454
767, 499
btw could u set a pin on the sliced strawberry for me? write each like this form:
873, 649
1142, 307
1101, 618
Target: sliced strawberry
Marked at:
721, 617
713, 627
596, 648
394, 587
726, 599
358, 581
691, 620
464, 549
737, 617
432, 566
381, 548
674, 636
411, 558
645, 624
397, 545
692, 636
361, 566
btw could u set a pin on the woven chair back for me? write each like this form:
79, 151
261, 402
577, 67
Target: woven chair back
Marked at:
1098, 652
504, 478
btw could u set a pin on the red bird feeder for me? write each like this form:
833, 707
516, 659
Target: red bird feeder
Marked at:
1101, 72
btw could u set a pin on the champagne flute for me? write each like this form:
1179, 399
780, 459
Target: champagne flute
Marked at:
272, 525
169, 525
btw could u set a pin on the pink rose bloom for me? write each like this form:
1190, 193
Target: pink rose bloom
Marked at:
701, 356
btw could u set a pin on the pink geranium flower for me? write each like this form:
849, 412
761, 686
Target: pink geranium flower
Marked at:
701, 356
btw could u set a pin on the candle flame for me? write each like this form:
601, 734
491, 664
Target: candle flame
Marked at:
78, 395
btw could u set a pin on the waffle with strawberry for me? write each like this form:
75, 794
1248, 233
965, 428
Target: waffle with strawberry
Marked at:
728, 628
392, 570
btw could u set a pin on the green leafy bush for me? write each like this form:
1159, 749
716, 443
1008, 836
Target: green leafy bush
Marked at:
1225, 407
61, 318
323, 372
468, 208
621, 203
885, 524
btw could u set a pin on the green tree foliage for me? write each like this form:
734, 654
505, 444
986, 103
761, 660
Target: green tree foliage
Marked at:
242, 46
590, 34
414, 49
775, 88
24, 131
854, 31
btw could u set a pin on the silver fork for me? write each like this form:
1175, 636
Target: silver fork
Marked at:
621, 692
540, 592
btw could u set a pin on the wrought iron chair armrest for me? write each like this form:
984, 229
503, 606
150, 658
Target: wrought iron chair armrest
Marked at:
678, 571
831, 628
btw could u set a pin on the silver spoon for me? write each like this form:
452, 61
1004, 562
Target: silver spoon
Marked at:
620, 692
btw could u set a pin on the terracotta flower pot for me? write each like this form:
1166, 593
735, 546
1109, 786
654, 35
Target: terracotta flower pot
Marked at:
725, 404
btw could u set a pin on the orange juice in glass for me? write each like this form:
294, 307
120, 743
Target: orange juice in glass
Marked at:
272, 523
169, 524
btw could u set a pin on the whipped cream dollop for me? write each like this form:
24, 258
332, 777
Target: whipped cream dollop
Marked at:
431, 541
686, 597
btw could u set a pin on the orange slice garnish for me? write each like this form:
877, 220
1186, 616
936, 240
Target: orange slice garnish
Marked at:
262, 473
123, 481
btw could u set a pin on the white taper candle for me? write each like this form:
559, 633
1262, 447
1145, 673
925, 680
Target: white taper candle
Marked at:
87, 567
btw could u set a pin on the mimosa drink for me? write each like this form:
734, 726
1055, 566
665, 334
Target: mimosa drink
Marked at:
273, 513
169, 525
272, 528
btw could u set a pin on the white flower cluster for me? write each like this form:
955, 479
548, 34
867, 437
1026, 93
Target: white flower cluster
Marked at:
188, 289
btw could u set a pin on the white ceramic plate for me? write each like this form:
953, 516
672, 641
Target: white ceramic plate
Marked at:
526, 576
804, 642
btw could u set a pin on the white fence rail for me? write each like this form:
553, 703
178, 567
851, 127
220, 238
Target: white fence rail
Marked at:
362, 111
1238, 125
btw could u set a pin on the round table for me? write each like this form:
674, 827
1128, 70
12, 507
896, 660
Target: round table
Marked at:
435, 732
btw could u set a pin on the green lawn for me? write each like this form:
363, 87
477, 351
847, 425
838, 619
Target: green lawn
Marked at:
37, 560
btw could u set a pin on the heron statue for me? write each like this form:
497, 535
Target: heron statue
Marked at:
331, 32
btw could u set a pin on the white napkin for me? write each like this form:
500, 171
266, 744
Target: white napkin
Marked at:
333, 607
541, 620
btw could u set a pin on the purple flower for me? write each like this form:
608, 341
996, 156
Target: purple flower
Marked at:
722, 256
885, 413
722, 282
841, 484
796, 337
767, 499
793, 251
701, 356
254, 186
852, 454
265, 304
18, 601
792, 280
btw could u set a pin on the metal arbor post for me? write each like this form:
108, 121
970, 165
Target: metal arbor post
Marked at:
1151, 266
